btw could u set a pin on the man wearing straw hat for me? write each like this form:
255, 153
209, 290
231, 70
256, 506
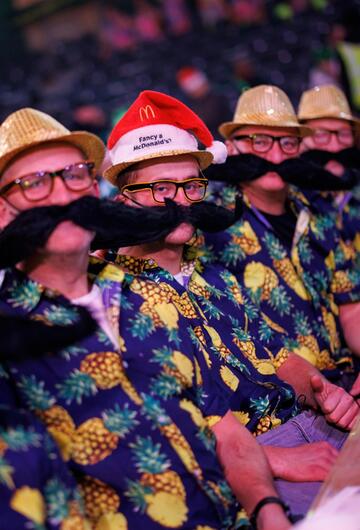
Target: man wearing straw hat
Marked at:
335, 129
125, 410
327, 112
280, 251
210, 294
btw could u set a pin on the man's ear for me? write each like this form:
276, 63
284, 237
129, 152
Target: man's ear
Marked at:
231, 148
96, 189
7, 213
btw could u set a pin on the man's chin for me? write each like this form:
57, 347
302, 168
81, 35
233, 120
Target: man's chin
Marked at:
181, 235
271, 181
68, 238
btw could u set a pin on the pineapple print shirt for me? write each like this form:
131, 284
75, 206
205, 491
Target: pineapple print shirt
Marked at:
36, 488
344, 208
212, 308
300, 288
128, 421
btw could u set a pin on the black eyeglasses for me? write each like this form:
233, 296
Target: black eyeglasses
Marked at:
194, 189
262, 143
38, 186
323, 136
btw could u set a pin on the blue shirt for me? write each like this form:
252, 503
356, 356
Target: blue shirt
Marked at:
130, 421
215, 311
299, 289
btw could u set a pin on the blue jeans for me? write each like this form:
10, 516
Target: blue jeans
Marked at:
307, 427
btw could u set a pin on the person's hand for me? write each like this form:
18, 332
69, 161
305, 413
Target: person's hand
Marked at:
304, 463
337, 405
355, 389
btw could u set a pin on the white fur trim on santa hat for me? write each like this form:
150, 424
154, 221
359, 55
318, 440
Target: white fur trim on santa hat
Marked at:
219, 152
150, 140
193, 81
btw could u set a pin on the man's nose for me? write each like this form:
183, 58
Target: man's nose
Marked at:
180, 197
276, 155
60, 193
334, 145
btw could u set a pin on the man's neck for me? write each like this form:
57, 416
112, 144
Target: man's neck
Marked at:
64, 273
272, 202
167, 257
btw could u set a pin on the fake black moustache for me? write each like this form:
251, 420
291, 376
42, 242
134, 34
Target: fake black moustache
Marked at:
298, 171
22, 338
115, 224
349, 158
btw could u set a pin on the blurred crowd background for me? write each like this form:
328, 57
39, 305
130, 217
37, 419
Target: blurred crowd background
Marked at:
85, 61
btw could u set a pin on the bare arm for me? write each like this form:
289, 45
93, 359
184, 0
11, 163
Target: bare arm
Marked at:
350, 323
297, 372
333, 401
304, 463
247, 470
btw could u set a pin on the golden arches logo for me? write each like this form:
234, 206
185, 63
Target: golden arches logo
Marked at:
145, 112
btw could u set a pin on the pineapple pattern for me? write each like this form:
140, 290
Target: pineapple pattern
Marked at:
99, 498
36, 488
106, 369
345, 209
312, 279
222, 334
106, 408
159, 490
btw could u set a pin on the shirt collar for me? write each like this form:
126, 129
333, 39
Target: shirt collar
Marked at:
135, 265
296, 200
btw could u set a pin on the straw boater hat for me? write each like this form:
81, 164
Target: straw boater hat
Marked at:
156, 126
264, 105
28, 128
326, 101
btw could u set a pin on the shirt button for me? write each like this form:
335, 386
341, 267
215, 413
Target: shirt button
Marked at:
151, 261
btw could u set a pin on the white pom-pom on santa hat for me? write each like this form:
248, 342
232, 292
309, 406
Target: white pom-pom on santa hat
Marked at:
158, 125
219, 152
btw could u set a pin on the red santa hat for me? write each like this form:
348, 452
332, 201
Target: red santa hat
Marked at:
191, 79
156, 126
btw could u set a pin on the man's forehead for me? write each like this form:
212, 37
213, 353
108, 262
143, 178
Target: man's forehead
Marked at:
329, 123
49, 157
167, 165
272, 131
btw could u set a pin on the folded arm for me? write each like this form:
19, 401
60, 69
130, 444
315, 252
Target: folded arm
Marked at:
304, 463
248, 472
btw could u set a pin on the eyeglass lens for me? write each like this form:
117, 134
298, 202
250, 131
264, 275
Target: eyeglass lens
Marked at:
194, 190
76, 177
262, 143
323, 136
